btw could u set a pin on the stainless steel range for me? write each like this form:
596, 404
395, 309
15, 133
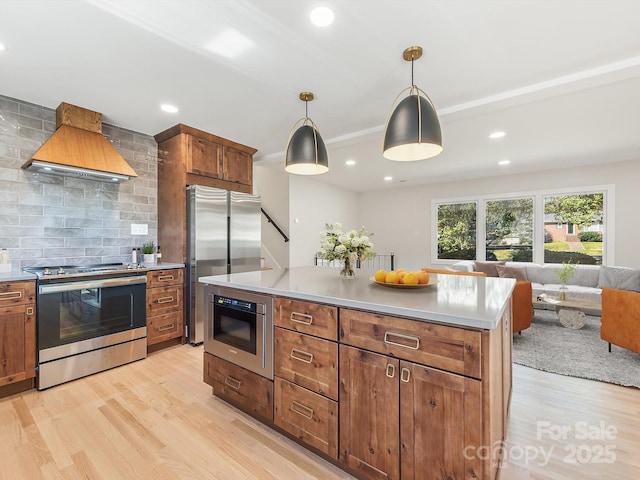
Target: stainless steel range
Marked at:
89, 319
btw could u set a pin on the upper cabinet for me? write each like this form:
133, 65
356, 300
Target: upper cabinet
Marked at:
202, 158
218, 161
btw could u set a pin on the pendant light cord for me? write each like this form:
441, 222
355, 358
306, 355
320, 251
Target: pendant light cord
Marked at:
412, 84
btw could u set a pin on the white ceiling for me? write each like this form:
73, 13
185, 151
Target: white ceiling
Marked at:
561, 77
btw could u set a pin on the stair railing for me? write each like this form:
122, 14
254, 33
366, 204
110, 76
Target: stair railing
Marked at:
275, 225
382, 261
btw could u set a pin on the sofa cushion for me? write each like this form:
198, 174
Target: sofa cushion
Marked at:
621, 278
586, 275
519, 273
490, 268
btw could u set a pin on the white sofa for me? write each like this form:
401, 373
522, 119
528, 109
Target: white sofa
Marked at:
544, 279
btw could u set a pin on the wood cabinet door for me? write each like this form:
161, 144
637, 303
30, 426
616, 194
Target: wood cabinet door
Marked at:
205, 158
238, 166
369, 402
440, 424
17, 343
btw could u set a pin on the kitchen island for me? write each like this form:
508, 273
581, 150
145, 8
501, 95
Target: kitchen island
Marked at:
386, 382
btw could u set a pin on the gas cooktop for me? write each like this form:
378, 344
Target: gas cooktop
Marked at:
62, 272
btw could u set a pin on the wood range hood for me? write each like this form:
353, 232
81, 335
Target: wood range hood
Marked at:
78, 149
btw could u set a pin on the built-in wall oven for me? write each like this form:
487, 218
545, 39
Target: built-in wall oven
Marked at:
239, 328
89, 320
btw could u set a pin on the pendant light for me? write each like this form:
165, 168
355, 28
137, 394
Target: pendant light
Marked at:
306, 153
412, 131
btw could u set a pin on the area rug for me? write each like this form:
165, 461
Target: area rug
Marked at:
550, 347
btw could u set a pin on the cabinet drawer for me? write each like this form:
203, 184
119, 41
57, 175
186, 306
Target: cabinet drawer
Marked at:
164, 327
244, 389
164, 300
161, 278
307, 317
308, 416
307, 361
17, 293
447, 348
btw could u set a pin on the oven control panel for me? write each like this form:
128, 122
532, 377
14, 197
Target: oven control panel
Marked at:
236, 304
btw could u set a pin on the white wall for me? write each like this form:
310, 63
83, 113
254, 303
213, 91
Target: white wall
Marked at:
273, 188
401, 218
311, 205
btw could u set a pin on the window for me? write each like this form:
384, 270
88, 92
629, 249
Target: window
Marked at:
543, 227
457, 231
509, 229
581, 241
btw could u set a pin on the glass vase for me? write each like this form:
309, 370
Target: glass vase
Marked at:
347, 268
563, 292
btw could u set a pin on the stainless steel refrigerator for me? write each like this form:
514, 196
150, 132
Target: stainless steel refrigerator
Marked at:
223, 236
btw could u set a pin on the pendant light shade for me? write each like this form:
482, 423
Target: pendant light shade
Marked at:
306, 153
413, 130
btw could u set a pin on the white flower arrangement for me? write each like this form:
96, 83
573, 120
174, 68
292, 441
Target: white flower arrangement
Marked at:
336, 244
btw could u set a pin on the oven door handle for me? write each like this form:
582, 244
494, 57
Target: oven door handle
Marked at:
108, 282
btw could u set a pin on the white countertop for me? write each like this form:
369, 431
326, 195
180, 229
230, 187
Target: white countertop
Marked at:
163, 265
476, 302
16, 275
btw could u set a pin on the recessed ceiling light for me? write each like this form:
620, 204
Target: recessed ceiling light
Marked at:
504, 162
498, 134
321, 16
2, 47
350, 162
388, 178
230, 44
169, 108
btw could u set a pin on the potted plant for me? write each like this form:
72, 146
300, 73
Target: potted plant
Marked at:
148, 250
568, 270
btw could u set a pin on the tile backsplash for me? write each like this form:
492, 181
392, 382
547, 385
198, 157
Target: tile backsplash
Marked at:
54, 220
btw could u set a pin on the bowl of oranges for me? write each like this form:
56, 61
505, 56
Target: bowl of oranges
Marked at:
402, 278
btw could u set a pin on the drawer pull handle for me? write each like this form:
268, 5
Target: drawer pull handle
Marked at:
166, 327
389, 335
303, 318
232, 383
10, 295
301, 355
405, 375
165, 278
300, 409
391, 370
165, 300
29, 310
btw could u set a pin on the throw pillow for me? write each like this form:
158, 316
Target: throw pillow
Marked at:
487, 267
622, 278
519, 273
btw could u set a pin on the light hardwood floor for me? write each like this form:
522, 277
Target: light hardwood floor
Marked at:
156, 419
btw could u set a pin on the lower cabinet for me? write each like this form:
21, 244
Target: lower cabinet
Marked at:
389, 399
369, 408
439, 416
17, 332
306, 373
165, 306
246, 390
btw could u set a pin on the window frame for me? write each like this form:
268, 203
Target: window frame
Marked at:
608, 237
